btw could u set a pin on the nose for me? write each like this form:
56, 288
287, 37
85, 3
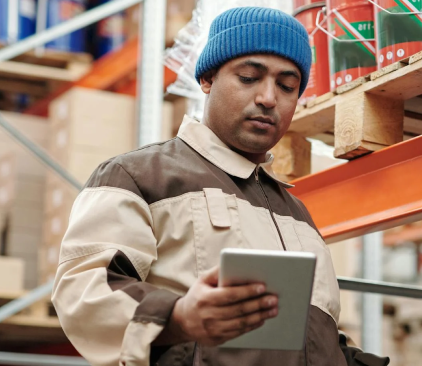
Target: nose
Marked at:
266, 95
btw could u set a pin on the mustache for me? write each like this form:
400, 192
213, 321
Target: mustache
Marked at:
262, 112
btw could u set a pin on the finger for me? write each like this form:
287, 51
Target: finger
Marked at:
245, 307
210, 277
223, 296
219, 327
237, 333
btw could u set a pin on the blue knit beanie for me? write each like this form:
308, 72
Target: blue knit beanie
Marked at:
251, 30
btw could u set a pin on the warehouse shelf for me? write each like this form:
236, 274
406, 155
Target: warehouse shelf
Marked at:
36, 323
115, 71
38, 75
375, 192
369, 113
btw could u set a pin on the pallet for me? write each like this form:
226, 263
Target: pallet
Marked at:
40, 314
38, 75
367, 114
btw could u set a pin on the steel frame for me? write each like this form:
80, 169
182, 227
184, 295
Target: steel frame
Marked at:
373, 193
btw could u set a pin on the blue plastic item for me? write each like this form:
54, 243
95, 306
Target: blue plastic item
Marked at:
58, 12
25, 20
109, 33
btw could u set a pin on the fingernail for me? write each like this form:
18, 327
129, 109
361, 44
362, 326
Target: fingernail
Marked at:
271, 302
273, 312
260, 289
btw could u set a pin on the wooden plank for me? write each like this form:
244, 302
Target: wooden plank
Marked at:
34, 321
31, 87
415, 58
404, 83
326, 138
401, 84
414, 105
353, 84
388, 69
412, 123
320, 99
366, 123
51, 57
292, 157
37, 72
299, 108
318, 119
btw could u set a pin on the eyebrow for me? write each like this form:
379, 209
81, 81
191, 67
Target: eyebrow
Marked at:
262, 67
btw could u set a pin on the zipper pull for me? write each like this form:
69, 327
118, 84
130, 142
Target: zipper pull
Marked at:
256, 174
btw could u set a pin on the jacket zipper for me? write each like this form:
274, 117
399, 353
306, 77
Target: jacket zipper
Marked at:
195, 360
277, 227
269, 206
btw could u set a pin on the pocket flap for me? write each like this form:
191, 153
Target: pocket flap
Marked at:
217, 207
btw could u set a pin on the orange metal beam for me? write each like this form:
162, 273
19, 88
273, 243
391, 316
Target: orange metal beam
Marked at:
131, 87
407, 233
106, 72
375, 192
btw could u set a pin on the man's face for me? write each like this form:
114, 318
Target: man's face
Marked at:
251, 101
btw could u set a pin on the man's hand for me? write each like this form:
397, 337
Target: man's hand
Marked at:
212, 315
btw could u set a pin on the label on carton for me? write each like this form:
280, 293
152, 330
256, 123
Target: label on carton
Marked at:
57, 197
53, 255
61, 138
4, 195
56, 225
63, 110
5, 169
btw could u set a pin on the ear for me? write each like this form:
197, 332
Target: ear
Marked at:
207, 79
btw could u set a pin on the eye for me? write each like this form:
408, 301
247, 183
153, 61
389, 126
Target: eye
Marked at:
246, 79
286, 88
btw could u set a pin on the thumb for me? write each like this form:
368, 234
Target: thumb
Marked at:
210, 277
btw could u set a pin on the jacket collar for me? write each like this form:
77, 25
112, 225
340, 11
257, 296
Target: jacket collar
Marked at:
206, 143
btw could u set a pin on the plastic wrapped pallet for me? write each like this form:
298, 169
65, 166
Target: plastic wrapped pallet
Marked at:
191, 39
88, 127
22, 180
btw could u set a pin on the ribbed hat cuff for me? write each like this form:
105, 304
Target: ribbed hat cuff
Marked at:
256, 38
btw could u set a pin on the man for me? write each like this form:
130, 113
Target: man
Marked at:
137, 281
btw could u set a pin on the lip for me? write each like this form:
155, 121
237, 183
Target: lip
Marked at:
263, 119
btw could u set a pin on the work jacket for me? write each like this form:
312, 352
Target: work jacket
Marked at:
149, 222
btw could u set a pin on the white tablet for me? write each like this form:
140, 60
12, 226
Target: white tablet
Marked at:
289, 275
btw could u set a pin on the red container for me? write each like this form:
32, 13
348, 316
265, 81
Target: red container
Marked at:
319, 83
350, 20
398, 35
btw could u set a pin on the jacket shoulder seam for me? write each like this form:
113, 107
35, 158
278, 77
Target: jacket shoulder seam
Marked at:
123, 191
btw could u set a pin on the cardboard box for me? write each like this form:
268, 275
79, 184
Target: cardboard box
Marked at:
132, 20
48, 262
7, 178
54, 228
22, 185
11, 274
37, 130
95, 118
59, 195
179, 13
89, 127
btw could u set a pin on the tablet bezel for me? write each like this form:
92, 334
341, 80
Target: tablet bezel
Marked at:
287, 331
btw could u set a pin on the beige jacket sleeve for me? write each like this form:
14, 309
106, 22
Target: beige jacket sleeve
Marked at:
107, 310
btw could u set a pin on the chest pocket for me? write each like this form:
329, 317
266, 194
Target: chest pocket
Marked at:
216, 226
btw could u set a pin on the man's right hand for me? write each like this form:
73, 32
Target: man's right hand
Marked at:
212, 315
